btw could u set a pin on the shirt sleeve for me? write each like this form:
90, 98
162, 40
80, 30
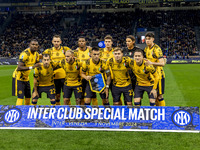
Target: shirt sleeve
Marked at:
23, 57
158, 53
37, 58
36, 73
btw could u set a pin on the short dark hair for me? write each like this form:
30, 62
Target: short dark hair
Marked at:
131, 37
95, 49
108, 37
33, 40
118, 49
57, 36
46, 55
139, 50
81, 37
149, 34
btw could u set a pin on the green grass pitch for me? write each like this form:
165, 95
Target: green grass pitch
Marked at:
182, 89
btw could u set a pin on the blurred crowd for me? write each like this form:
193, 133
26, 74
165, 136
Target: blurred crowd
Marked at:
177, 36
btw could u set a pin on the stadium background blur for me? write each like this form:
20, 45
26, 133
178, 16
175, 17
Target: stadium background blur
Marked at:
176, 24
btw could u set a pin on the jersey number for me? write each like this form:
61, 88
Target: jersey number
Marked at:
52, 91
79, 89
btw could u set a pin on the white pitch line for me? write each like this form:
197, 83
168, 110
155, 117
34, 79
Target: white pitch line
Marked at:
98, 129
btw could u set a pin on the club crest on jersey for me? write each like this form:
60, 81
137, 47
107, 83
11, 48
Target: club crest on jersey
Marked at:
83, 56
107, 55
70, 68
94, 69
57, 54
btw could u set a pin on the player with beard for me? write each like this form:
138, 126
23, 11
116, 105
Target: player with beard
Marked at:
57, 53
43, 80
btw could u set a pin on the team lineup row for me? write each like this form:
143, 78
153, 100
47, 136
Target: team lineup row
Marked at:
124, 70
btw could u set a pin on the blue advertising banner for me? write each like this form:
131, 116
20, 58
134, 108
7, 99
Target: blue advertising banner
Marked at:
101, 117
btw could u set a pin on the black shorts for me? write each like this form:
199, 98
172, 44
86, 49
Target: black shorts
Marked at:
139, 91
90, 94
21, 88
127, 93
161, 86
69, 89
59, 83
50, 90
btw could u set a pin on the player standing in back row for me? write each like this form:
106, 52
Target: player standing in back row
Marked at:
154, 57
82, 53
57, 53
28, 59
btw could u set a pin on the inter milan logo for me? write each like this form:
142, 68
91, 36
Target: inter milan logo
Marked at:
181, 118
12, 116
83, 56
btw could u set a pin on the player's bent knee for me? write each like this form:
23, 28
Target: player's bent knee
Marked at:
53, 101
129, 104
116, 103
137, 100
105, 101
160, 97
87, 100
78, 101
152, 100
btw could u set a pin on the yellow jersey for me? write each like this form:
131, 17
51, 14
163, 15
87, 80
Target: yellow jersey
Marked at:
145, 75
44, 75
91, 69
72, 71
29, 60
56, 57
82, 55
105, 55
120, 73
154, 54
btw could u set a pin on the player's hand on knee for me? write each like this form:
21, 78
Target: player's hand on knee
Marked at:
35, 94
88, 78
154, 92
106, 92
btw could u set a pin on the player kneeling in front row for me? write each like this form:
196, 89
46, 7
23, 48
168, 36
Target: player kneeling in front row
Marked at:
43, 80
73, 79
92, 67
146, 79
